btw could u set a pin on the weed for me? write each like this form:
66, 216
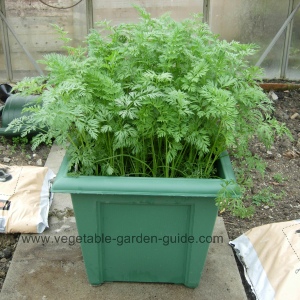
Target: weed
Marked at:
3, 140
267, 196
278, 178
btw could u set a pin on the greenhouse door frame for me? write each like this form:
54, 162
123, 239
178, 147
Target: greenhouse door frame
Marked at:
288, 26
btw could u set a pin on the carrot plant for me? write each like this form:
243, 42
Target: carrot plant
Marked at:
155, 98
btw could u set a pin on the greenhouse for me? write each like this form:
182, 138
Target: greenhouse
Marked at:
26, 32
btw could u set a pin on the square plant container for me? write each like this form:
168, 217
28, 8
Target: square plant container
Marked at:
138, 229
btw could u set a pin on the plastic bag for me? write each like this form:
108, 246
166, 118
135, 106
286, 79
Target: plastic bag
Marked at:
25, 198
270, 255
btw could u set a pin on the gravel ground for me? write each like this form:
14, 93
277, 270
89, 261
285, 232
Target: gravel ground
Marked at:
281, 179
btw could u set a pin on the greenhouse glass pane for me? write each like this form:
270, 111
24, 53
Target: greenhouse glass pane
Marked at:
252, 21
121, 11
293, 71
79, 23
32, 22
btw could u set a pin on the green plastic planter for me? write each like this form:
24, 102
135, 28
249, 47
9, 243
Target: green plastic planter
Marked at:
139, 229
12, 110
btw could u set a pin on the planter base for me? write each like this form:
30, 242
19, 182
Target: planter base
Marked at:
135, 229
144, 239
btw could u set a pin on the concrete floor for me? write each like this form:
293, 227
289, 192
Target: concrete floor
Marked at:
56, 270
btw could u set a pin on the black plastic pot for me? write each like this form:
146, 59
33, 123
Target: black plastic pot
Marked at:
5, 91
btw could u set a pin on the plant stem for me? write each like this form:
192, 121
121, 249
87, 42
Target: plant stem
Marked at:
122, 162
130, 156
210, 161
154, 158
166, 159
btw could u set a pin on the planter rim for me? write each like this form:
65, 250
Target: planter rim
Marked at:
190, 187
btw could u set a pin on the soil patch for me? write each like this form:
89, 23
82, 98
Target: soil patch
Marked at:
282, 173
277, 194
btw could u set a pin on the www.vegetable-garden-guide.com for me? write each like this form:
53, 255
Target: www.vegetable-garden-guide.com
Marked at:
120, 240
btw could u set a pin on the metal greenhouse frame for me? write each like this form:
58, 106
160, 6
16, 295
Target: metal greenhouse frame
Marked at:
88, 19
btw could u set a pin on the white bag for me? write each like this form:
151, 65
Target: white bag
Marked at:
25, 198
270, 255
